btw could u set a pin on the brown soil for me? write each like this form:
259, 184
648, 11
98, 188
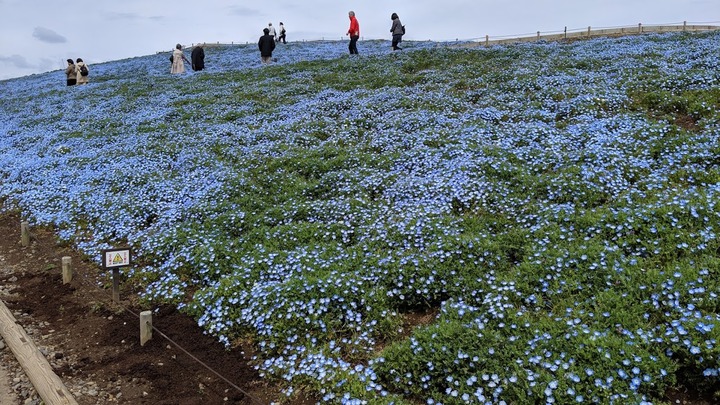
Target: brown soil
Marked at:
94, 340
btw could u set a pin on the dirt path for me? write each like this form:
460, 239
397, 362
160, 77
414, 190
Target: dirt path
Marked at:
11, 373
93, 344
7, 395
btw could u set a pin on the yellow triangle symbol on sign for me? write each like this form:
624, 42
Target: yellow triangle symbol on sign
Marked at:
117, 259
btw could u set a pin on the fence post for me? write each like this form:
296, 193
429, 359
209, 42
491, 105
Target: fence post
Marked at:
487, 40
25, 233
145, 327
116, 285
67, 270
538, 35
588, 31
566, 32
684, 25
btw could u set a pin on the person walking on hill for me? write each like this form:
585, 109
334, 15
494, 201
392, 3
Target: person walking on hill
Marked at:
82, 71
71, 73
281, 38
354, 33
397, 31
266, 44
272, 32
178, 59
198, 58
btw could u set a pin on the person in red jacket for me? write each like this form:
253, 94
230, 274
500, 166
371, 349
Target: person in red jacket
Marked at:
354, 32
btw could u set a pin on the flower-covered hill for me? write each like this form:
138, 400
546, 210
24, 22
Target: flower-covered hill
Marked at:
551, 208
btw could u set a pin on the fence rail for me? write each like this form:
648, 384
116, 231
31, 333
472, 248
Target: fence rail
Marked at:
589, 32
574, 33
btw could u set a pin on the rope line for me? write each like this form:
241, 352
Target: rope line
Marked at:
255, 399
85, 280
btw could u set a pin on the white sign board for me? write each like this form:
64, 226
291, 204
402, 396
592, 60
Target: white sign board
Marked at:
116, 258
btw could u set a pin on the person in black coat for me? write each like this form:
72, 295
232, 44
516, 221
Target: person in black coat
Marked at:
266, 45
198, 58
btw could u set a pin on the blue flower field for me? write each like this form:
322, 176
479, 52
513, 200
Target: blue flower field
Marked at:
525, 224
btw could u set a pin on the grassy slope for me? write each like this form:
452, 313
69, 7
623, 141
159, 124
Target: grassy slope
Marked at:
555, 204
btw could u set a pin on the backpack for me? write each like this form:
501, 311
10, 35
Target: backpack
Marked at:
403, 29
83, 70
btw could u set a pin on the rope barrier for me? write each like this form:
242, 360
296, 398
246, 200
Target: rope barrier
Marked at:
85, 281
255, 399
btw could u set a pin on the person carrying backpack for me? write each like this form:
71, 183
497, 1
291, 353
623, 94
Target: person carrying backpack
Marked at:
397, 30
82, 71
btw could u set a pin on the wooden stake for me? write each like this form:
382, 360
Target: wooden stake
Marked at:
67, 270
145, 327
25, 233
116, 285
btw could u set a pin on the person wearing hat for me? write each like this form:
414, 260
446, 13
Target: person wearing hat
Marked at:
71, 73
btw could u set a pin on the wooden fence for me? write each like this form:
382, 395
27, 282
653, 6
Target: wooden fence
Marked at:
579, 33
590, 32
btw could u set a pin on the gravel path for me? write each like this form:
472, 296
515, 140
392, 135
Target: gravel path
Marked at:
15, 387
8, 368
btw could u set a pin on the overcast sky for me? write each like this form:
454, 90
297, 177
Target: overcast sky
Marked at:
39, 35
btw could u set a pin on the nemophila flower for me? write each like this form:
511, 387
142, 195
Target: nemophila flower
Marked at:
538, 207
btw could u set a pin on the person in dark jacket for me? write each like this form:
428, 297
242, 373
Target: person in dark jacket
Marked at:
71, 73
397, 32
197, 58
266, 44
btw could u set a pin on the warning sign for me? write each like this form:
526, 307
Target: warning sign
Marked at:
116, 257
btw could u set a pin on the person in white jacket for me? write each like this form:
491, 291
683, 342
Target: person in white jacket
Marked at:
272, 32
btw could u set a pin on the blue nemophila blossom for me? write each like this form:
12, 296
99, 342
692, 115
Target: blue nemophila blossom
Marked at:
527, 223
